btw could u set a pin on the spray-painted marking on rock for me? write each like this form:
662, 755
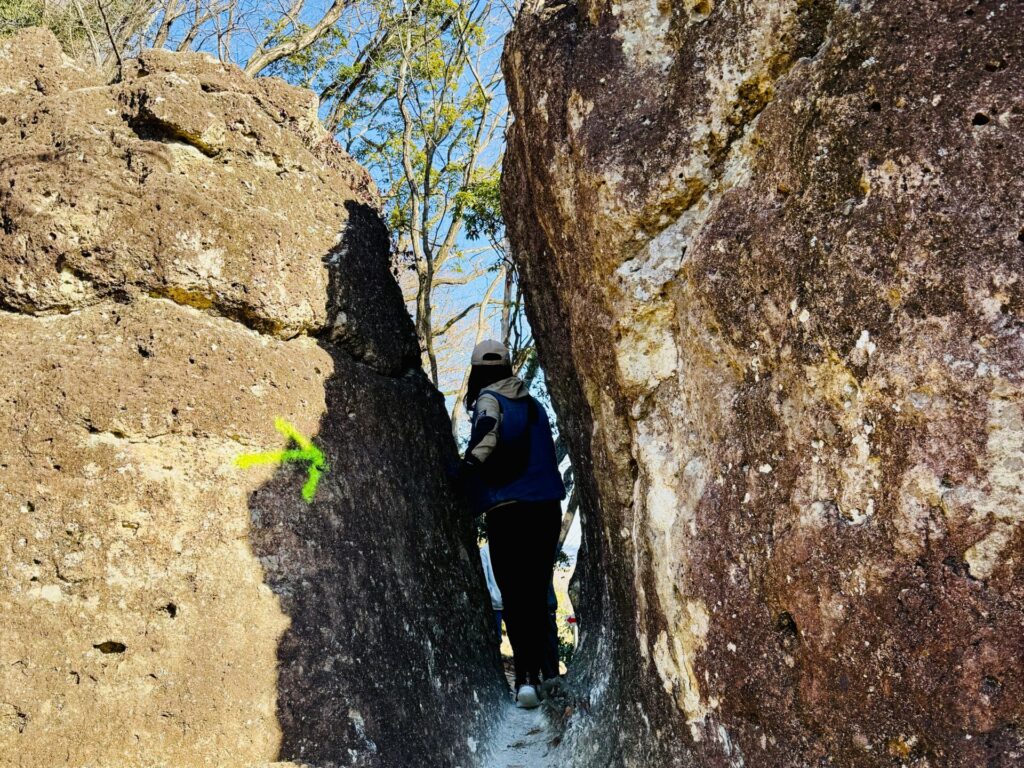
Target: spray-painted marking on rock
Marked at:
306, 451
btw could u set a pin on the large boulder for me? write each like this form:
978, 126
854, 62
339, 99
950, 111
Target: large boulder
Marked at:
773, 251
186, 256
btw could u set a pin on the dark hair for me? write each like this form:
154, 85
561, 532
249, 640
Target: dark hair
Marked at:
481, 376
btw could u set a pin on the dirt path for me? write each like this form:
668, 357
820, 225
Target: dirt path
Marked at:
523, 740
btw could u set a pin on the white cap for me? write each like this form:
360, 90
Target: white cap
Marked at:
491, 352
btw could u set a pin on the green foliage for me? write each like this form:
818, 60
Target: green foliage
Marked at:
75, 27
422, 108
566, 640
16, 14
480, 205
301, 67
566, 645
61, 19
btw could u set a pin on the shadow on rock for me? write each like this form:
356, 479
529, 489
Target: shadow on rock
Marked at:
388, 660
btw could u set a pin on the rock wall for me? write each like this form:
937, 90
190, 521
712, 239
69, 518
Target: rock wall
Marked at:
185, 256
773, 252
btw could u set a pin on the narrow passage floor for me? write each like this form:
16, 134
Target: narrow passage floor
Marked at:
524, 739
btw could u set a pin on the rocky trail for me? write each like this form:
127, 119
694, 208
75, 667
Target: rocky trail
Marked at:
523, 738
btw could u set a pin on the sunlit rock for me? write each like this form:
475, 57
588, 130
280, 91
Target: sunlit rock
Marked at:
773, 252
185, 256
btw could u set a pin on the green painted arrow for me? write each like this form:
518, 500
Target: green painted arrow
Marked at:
305, 452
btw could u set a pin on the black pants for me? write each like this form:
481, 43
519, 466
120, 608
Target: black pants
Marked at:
523, 537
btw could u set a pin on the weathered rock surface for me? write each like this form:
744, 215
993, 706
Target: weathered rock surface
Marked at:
184, 257
774, 252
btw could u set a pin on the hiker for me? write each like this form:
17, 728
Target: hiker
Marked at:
512, 475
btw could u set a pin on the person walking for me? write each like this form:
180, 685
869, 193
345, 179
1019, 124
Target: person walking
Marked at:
512, 476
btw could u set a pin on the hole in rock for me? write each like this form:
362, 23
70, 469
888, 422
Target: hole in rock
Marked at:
170, 609
990, 686
702, 9
957, 566
786, 625
110, 646
980, 118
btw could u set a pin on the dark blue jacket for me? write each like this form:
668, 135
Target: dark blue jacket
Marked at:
522, 466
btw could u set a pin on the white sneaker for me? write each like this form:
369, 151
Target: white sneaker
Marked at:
526, 697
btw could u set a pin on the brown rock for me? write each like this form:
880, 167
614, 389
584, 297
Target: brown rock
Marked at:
171, 184
774, 254
182, 260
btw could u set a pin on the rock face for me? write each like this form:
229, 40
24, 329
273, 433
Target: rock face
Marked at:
185, 257
774, 254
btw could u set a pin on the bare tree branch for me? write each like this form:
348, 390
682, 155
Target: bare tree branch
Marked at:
264, 59
110, 36
97, 55
454, 319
